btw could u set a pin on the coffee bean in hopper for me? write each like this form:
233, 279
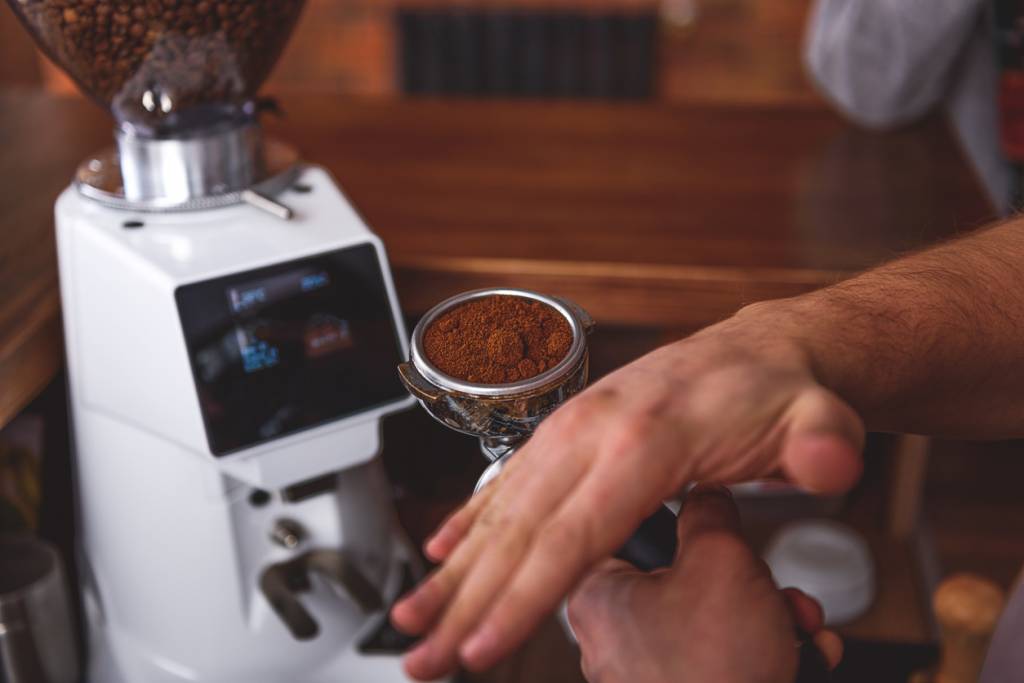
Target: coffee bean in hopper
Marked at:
151, 61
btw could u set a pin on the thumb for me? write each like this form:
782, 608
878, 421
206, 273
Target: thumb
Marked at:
601, 601
822, 447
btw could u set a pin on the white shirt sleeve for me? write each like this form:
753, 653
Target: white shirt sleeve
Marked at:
886, 62
1004, 662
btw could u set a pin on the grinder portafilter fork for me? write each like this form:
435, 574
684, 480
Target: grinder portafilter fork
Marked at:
504, 416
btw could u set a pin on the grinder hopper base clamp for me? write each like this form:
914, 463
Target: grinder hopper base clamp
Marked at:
504, 416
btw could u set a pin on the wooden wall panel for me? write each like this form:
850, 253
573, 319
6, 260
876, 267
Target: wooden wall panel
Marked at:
346, 47
736, 51
18, 64
745, 51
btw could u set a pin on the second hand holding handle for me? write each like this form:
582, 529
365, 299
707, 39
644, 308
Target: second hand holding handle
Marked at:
653, 546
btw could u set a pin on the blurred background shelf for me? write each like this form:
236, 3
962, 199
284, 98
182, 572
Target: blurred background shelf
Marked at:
722, 51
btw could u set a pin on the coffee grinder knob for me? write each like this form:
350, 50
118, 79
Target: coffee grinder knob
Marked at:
287, 533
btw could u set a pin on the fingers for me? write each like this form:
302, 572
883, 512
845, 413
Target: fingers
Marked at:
806, 611
708, 507
598, 607
451, 532
435, 656
474, 594
512, 552
595, 598
518, 474
551, 526
589, 526
592, 600
453, 600
418, 610
823, 443
441, 544
808, 615
831, 646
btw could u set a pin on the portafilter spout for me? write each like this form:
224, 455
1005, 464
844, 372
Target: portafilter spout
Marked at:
502, 416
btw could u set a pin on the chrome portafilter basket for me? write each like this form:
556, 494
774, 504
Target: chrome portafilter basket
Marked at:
502, 416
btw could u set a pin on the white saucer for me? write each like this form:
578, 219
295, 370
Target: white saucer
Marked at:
827, 560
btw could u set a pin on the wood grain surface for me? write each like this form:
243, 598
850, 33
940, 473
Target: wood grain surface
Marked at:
646, 214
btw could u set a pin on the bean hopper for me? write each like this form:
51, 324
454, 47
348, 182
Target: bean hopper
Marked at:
232, 331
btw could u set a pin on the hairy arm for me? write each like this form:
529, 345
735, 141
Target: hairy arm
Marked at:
932, 343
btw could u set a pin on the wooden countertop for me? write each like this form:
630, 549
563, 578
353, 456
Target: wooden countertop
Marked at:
645, 214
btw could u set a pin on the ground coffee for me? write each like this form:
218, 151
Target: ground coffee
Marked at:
152, 60
497, 340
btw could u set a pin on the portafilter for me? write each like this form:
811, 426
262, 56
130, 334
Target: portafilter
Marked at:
504, 416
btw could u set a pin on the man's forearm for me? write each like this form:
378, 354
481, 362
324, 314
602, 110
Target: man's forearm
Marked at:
932, 343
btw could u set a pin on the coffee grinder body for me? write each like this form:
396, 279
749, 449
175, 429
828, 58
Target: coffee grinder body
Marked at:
228, 374
232, 332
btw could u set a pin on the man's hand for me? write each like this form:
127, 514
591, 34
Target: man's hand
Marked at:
715, 615
728, 404
925, 344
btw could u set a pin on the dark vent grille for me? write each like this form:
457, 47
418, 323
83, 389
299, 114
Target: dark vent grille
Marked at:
526, 54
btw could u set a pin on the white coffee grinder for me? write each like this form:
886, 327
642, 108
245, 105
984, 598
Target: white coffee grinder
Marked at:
232, 334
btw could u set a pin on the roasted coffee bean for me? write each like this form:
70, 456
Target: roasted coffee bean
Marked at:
190, 53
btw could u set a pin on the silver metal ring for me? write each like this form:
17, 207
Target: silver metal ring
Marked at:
449, 383
100, 178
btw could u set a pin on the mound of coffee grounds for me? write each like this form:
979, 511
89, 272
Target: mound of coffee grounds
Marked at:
497, 340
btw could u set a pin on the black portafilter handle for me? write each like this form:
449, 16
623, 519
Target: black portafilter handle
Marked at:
653, 546
811, 666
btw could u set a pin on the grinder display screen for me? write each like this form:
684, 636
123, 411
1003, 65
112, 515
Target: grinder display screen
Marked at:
290, 346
